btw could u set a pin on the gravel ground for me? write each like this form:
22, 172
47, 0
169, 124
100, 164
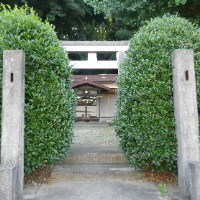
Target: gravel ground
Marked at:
94, 135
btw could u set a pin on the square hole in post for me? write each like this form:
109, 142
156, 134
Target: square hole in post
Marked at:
186, 75
11, 77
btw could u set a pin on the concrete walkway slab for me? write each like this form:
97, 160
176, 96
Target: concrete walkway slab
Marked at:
96, 171
83, 149
96, 190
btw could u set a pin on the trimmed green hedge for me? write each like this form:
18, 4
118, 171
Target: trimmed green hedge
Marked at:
49, 98
145, 121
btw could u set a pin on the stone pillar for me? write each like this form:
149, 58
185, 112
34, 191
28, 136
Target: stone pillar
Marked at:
12, 141
92, 56
194, 174
120, 58
186, 115
8, 182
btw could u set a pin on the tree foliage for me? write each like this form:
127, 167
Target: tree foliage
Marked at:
135, 13
49, 99
73, 19
145, 112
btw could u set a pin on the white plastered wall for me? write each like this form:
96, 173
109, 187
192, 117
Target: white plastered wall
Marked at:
107, 107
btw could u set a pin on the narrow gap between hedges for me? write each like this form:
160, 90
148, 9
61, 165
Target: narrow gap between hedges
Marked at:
96, 136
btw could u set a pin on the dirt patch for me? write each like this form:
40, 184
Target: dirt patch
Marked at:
39, 176
160, 177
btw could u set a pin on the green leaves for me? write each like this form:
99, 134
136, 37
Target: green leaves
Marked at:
180, 2
49, 98
145, 111
136, 13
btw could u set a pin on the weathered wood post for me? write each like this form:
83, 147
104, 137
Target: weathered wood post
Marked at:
186, 115
12, 139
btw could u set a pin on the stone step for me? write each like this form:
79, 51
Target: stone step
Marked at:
96, 171
94, 158
94, 154
91, 123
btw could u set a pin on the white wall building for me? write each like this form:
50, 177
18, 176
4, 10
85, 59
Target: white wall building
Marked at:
96, 93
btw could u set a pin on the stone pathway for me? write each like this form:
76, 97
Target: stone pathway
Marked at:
96, 169
95, 155
94, 135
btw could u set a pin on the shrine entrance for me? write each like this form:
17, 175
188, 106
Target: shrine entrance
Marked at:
96, 65
89, 95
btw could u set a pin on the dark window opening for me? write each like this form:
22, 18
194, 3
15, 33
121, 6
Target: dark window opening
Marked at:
78, 56
106, 56
94, 71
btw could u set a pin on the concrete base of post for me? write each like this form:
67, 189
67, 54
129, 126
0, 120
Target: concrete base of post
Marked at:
8, 177
194, 174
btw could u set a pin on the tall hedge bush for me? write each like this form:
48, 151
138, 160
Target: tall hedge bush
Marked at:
49, 99
145, 121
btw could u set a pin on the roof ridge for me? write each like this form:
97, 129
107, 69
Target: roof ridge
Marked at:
88, 81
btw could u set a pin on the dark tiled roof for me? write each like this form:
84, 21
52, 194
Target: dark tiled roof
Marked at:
88, 81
